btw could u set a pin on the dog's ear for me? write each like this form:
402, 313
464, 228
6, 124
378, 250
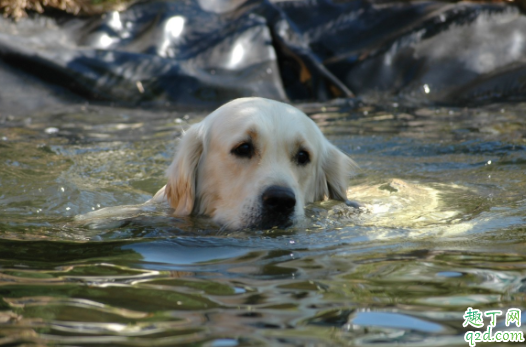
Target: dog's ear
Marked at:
336, 169
182, 173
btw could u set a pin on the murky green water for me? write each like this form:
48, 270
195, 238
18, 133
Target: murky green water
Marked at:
445, 230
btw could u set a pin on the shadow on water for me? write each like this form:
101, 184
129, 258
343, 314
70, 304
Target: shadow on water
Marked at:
442, 230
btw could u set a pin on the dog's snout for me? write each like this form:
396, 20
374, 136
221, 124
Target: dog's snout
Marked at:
279, 199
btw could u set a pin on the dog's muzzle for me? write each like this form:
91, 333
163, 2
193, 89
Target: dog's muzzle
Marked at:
278, 204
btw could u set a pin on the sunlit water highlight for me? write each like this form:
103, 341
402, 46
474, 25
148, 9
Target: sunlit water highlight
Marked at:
442, 228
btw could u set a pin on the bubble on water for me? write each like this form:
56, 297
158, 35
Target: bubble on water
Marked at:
51, 130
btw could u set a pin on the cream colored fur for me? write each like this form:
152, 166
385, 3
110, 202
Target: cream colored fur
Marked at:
205, 178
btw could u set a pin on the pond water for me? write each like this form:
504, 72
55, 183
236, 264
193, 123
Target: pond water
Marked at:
444, 230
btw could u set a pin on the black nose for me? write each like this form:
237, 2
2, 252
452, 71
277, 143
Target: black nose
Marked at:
278, 200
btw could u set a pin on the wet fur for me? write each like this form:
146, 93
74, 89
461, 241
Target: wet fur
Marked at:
206, 179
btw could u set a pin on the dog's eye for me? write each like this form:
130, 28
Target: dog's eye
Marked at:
244, 150
303, 157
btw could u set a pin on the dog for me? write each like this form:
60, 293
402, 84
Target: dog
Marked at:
254, 163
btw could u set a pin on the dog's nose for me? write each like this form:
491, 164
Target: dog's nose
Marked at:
279, 200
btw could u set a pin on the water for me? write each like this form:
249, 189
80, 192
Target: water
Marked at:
444, 229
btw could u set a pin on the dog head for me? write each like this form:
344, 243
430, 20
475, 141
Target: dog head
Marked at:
255, 163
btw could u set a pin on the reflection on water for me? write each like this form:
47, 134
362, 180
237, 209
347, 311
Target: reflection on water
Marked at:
442, 229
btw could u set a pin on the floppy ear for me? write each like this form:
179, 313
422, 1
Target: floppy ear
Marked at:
337, 168
182, 173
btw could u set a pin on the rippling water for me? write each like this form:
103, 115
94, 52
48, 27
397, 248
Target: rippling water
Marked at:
444, 229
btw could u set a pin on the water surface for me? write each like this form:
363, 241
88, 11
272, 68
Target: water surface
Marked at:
444, 230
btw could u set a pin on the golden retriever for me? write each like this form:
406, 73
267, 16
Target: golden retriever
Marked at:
254, 162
